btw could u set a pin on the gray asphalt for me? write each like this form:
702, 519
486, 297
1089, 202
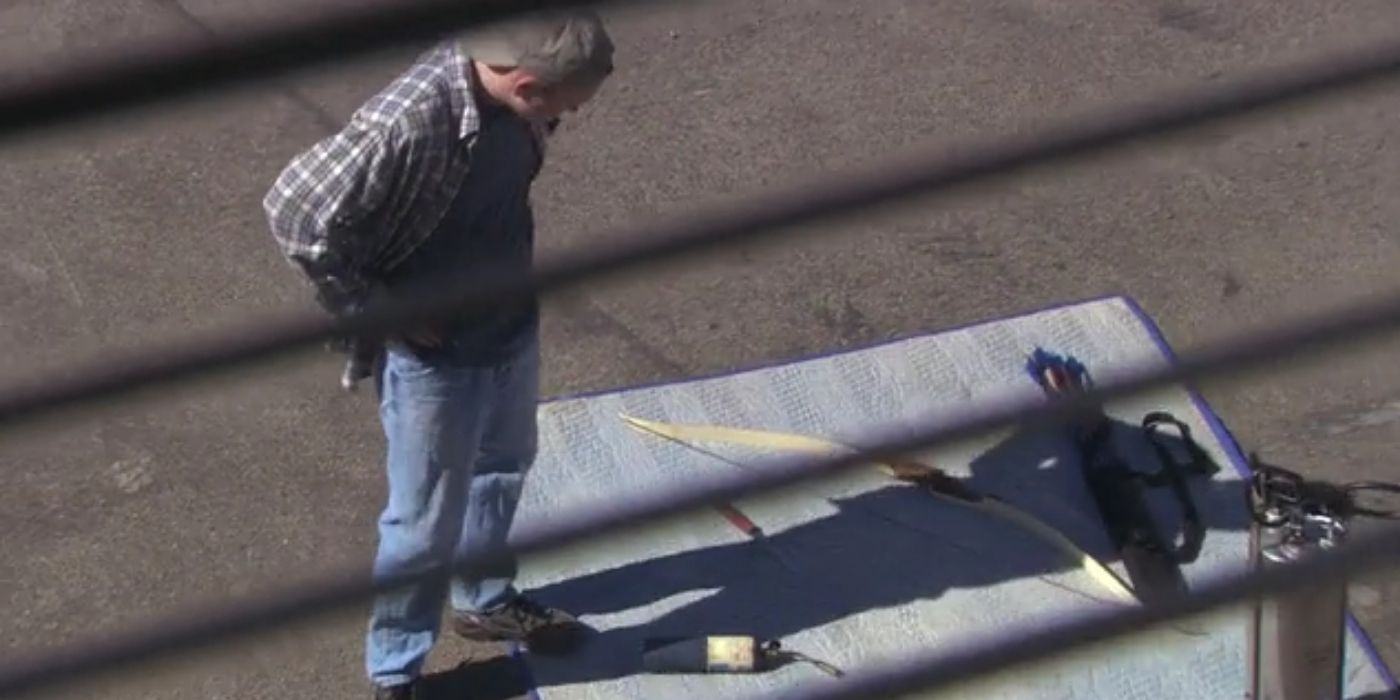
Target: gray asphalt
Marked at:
146, 227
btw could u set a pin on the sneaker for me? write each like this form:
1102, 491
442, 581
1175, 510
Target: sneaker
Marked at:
396, 692
543, 629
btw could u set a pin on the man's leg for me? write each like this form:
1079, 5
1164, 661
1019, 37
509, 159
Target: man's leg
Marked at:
433, 418
486, 605
507, 451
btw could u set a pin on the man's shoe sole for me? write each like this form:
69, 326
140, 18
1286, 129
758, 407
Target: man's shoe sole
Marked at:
549, 641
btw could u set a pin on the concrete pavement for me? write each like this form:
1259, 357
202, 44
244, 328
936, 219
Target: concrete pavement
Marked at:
149, 227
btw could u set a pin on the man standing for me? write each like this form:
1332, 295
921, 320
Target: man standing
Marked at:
432, 177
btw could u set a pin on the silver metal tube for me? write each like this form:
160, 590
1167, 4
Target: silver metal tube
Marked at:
1296, 638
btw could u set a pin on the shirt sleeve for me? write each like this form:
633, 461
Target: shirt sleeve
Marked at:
322, 209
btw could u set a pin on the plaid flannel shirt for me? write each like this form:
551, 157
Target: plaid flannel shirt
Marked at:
358, 203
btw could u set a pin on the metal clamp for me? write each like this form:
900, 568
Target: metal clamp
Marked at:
1296, 640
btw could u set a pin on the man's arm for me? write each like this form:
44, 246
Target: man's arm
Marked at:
323, 211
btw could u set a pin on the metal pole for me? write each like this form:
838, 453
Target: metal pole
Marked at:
1296, 638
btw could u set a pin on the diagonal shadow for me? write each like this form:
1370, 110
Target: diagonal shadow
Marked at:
879, 549
826, 569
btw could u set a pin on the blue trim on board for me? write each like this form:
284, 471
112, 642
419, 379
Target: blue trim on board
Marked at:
1241, 464
769, 364
1217, 427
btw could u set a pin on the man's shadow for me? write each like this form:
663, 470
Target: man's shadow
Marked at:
879, 549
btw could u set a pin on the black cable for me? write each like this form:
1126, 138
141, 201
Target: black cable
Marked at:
1277, 496
1358, 489
201, 629
755, 218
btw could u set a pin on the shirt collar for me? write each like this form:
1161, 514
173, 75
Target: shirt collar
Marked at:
463, 92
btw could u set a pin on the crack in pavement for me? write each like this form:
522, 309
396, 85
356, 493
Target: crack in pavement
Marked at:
597, 318
322, 118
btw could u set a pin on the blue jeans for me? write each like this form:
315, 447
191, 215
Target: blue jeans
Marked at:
460, 441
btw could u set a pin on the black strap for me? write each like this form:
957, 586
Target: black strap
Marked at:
1200, 461
1173, 474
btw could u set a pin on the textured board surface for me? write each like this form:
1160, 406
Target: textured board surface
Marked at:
857, 569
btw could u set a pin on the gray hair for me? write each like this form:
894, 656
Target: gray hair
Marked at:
559, 47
